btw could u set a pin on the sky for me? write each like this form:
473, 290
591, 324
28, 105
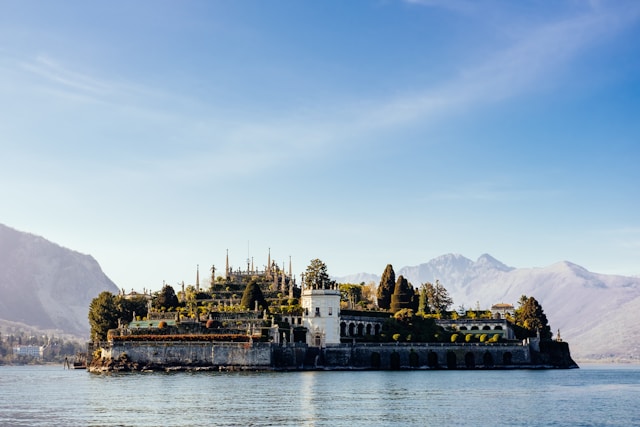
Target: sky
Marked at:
158, 135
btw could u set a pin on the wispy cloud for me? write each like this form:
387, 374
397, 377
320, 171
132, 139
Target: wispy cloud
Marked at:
76, 82
272, 138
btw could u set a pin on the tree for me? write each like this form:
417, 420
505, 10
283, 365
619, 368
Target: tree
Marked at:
252, 294
103, 315
316, 276
402, 295
350, 293
167, 298
530, 316
126, 307
438, 298
386, 287
423, 306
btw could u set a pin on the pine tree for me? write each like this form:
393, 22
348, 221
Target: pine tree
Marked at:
316, 276
386, 287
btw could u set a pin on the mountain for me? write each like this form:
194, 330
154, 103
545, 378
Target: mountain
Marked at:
595, 313
46, 286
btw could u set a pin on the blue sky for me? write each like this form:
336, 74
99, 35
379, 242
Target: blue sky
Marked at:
155, 135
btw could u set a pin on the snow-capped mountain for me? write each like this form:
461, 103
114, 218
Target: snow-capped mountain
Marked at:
45, 285
595, 313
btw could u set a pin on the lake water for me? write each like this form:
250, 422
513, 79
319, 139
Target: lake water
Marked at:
591, 396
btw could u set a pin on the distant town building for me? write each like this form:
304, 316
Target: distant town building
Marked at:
28, 350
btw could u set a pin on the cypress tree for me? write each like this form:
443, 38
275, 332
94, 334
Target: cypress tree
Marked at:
386, 287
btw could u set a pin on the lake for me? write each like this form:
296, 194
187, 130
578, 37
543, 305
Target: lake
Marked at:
591, 396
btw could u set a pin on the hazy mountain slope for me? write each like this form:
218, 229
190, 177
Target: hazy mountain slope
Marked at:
596, 313
45, 285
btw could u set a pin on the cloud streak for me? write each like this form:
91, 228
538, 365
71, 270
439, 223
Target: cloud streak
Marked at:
272, 138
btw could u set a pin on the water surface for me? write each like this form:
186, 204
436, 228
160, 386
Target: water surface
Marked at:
49, 395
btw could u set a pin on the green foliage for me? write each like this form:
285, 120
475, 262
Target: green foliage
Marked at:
423, 306
167, 298
126, 307
386, 287
316, 276
454, 337
438, 298
103, 315
414, 328
530, 316
251, 295
351, 294
468, 338
402, 295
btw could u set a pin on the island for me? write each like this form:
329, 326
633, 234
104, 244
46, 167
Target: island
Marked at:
250, 319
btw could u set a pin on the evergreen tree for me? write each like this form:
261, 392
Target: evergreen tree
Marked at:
530, 316
423, 302
167, 298
386, 287
402, 295
103, 315
252, 294
316, 276
127, 307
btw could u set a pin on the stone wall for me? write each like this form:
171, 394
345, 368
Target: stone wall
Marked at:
163, 353
299, 356
427, 356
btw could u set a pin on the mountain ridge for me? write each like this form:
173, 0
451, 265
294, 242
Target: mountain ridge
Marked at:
46, 285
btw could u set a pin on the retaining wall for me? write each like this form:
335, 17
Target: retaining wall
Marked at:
247, 355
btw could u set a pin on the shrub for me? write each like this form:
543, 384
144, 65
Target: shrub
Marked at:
483, 337
468, 338
454, 337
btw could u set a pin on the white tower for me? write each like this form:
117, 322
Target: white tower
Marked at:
321, 313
